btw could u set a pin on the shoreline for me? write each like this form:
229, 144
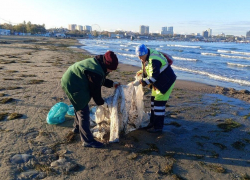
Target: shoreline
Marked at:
198, 76
241, 94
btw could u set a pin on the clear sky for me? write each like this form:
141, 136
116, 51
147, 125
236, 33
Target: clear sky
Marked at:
186, 16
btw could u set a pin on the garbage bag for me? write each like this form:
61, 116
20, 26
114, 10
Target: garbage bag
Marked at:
125, 113
57, 113
71, 111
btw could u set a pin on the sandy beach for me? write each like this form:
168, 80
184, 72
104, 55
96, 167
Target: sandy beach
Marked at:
206, 134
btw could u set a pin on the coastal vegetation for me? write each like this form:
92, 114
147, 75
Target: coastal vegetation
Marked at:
24, 27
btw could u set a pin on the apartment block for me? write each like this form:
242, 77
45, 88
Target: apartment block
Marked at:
72, 27
79, 27
88, 28
144, 29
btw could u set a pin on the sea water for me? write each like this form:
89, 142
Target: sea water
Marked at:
221, 64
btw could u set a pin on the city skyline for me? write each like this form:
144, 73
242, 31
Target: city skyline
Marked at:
229, 17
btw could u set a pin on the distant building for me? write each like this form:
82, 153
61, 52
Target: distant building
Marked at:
167, 30
222, 34
144, 29
189, 36
79, 27
112, 35
248, 34
119, 36
4, 32
171, 30
60, 35
209, 32
72, 27
205, 34
88, 28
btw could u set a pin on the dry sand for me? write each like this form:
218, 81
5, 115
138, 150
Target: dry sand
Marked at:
206, 134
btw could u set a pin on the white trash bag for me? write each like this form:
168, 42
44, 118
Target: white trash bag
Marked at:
125, 113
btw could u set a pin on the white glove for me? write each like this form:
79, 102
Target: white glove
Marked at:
116, 84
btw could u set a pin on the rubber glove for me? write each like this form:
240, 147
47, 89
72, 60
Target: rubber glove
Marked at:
143, 83
105, 105
138, 73
116, 84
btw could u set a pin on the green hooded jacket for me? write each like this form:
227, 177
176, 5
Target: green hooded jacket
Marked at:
75, 82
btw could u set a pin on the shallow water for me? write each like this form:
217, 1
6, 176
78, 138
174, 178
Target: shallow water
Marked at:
222, 64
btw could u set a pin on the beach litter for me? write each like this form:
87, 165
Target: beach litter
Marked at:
20, 158
57, 113
32, 174
63, 164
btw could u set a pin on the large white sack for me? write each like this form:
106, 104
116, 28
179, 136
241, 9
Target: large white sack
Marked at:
125, 113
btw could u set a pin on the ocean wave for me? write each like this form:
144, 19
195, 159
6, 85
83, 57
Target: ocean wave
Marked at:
127, 55
127, 49
234, 52
235, 57
176, 45
238, 52
185, 59
210, 54
239, 65
223, 51
214, 76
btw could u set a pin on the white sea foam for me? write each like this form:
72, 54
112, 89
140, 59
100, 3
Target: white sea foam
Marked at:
127, 55
214, 76
235, 57
185, 59
176, 45
210, 54
234, 52
238, 52
239, 65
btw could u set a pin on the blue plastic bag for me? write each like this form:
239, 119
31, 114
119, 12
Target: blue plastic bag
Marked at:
57, 113
71, 111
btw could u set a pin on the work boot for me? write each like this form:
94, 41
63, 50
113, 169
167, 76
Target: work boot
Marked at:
93, 144
150, 125
75, 131
153, 130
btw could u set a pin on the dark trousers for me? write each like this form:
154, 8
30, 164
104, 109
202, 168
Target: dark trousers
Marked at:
157, 113
82, 124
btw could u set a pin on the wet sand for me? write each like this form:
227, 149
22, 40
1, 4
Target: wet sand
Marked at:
206, 133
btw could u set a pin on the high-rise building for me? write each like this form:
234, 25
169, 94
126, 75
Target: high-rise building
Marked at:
209, 32
147, 29
167, 30
88, 28
248, 34
205, 34
164, 29
144, 29
171, 30
79, 27
72, 27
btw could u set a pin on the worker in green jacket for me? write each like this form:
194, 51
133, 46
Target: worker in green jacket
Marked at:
159, 76
81, 82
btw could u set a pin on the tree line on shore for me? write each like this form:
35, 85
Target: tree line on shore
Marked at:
24, 28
